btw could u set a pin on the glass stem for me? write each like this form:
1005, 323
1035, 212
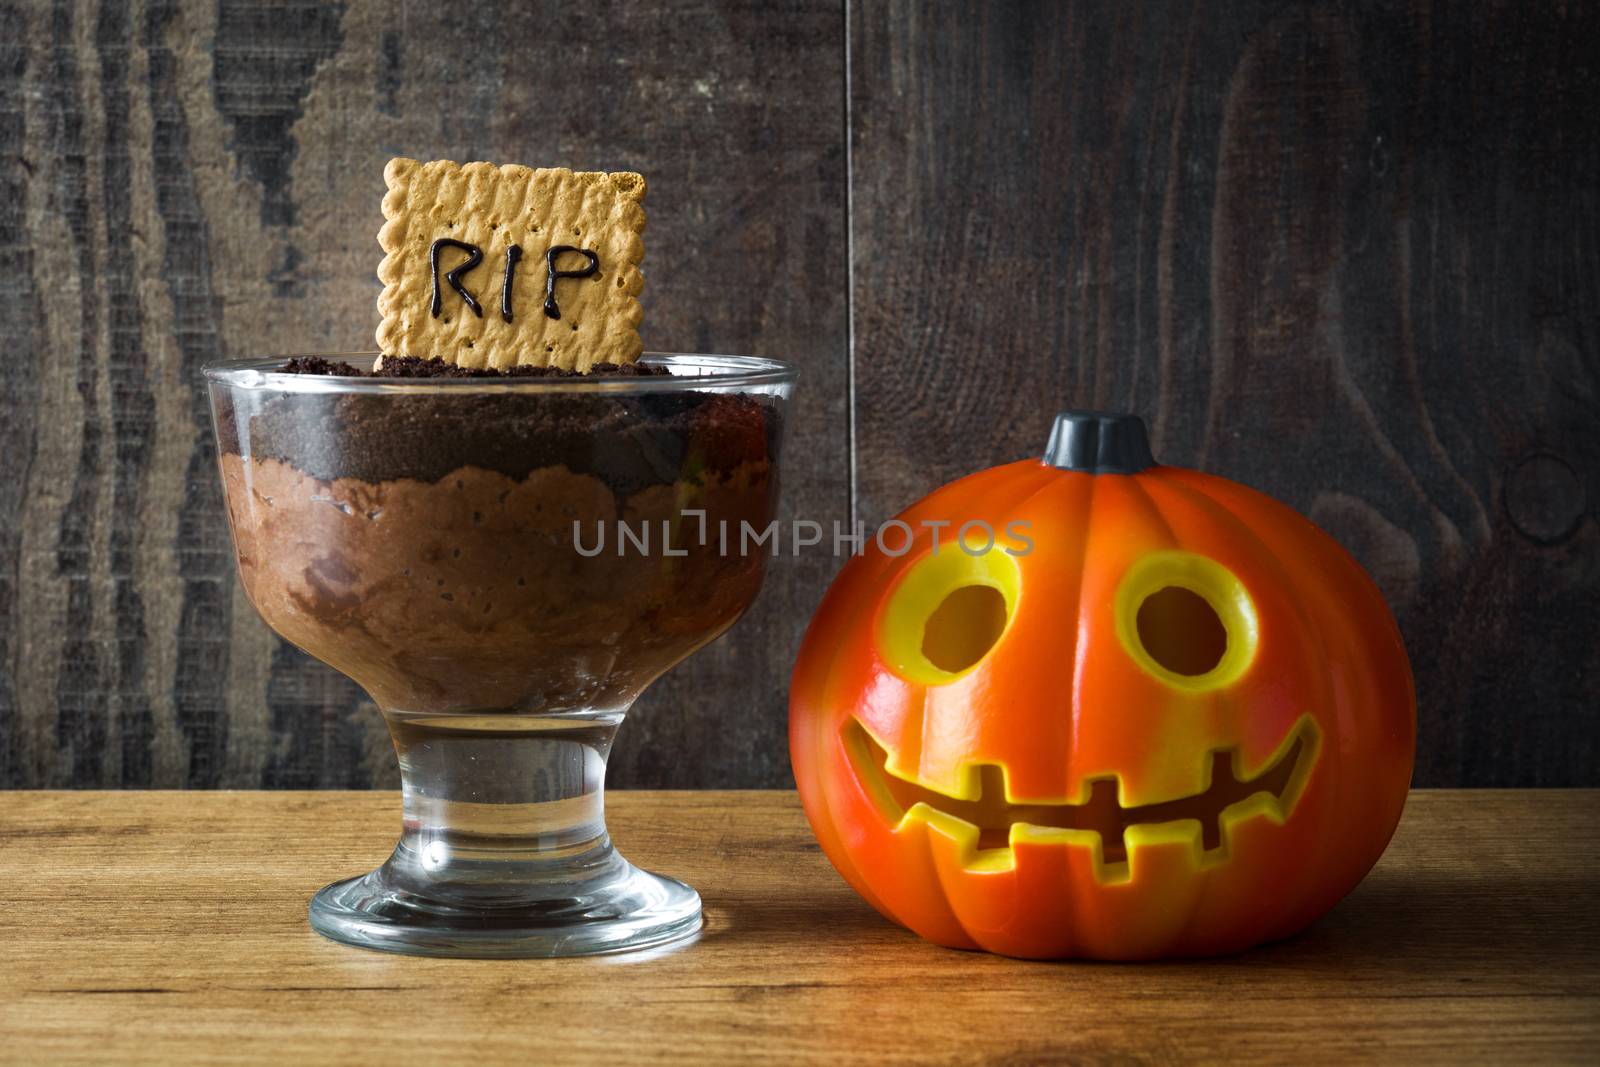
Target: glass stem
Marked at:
502, 810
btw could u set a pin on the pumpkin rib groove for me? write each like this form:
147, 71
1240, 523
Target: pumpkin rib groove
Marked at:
1027, 481
1033, 489
833, 804
859, 879
1364, 716
1225, 516
948, 892
1078, 673
1196, 896
1069, 758
1330, 757
1026, 472
1220, 699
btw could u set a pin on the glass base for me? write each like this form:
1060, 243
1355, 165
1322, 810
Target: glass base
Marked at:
631, 909
503, 849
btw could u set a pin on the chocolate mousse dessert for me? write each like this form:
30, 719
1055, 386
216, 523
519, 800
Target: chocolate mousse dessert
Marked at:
460, 550
440, 542
503, 528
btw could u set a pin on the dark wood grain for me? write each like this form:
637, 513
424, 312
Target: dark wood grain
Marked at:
182, 181
1348, 254
19, 383
1345, 254
166, 928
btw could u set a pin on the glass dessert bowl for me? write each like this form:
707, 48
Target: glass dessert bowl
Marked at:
503, 564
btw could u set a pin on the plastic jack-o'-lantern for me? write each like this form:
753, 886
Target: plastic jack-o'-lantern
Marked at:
1163, 715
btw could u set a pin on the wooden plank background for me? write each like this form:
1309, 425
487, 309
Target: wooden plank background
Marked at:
1348, 254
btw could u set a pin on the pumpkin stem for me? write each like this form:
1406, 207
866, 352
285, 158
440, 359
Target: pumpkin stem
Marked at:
1098, 442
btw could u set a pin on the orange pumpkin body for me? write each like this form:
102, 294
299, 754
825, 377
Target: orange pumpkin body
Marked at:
1186, 727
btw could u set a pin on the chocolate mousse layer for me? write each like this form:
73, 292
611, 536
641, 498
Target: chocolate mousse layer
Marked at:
460, 551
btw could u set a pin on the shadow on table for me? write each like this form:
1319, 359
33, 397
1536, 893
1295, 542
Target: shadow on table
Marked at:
1431, 923
1449, 922
821, 920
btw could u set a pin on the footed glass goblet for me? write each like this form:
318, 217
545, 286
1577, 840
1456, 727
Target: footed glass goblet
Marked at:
503, 564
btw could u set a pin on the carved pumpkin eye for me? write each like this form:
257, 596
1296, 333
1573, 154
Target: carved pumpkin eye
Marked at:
947, 612
1187, 620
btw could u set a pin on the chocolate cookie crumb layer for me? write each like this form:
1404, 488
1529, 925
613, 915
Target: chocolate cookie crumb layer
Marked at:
416, 367
629, 440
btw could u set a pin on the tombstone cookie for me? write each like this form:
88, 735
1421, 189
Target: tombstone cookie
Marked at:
490, 266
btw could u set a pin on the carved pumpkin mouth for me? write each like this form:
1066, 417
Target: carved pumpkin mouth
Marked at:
986, 822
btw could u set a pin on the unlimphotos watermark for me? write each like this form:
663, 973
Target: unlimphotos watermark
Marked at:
896, 537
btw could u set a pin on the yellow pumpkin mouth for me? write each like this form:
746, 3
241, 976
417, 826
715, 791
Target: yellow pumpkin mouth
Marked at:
987, 821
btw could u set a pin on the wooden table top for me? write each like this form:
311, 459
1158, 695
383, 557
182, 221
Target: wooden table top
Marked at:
164, 927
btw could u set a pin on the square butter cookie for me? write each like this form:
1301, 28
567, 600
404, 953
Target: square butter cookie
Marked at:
492, 266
